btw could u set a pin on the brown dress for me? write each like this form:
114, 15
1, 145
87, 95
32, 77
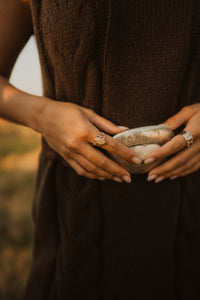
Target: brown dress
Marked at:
135, 62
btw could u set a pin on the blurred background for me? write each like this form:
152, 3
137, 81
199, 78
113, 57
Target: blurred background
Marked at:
19, 150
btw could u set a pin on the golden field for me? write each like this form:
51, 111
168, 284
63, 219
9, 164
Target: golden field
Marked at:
19, 149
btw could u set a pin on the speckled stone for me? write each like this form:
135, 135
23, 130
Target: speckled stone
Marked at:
143, 140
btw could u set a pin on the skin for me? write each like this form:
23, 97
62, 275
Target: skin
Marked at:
185, 160
69, 128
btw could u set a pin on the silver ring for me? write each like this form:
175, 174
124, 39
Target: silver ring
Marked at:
99, 140
188, 137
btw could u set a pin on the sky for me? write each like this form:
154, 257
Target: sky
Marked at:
26, 74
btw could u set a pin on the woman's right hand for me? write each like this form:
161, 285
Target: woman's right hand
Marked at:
69, 129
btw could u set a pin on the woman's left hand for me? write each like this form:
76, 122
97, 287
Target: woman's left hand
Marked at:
186, 159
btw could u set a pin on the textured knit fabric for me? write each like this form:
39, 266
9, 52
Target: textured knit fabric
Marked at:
135, 62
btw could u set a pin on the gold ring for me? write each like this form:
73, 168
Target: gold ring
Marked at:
188, 137
99, 140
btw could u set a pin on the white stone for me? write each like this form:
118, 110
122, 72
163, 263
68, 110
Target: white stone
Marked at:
143, 150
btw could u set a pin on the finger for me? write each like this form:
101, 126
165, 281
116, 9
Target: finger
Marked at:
103, 123
188, 164
93, 168
79, 170
174, 145
177, 161
182, 116
105, 163
195, 167
114, 146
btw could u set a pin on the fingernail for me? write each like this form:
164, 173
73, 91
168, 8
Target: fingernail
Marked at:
117, 179
127, 178
159, 179
123, 127
136, 160
173, 177
151, 177
149, 160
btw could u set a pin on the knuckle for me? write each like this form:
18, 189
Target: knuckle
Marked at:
186, 108
184, 166
72, 144
91, 169
64, 149
93, 113
180, 162
91, 175
81, 172
179, 143
163, 169
160, 171
112, 147
161, 152
67, 154
169, 174
120, 171
103, 164
90, 111
83, 132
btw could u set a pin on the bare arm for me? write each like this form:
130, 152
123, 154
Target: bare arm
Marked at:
68, 128
15, 30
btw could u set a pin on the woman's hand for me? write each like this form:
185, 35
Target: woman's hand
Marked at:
70, 129
186, 159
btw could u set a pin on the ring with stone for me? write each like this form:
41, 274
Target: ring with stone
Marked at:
188, 137
99, 140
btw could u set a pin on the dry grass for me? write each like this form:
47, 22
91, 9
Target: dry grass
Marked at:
19, 148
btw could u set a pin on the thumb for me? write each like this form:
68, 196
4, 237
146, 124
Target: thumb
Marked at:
104, 124
179, 118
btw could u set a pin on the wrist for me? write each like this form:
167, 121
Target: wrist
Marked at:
36, 118
20, 107
30, 110
50, 113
